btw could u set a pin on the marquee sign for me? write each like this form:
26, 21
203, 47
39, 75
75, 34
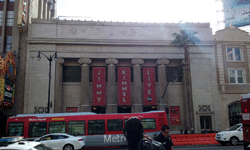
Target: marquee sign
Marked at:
22, 20
149, 97
7, 80
124, 79
99, 86
236, 12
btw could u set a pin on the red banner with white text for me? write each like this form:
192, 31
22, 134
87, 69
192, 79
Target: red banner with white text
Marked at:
124, 79
149, 97
99, 86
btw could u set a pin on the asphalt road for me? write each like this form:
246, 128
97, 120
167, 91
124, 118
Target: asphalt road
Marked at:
204, 147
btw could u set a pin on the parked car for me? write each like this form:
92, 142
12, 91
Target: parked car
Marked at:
5, 141
232, 135
61, 141
26, 145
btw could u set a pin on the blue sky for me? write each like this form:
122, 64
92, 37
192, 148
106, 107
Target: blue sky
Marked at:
171, 11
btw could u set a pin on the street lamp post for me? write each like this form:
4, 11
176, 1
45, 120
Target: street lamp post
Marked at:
50, 58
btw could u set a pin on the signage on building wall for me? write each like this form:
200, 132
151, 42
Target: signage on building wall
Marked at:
124, 92
175, 115
204, 108
237, 12
149, 97
99, 86
22, 19
7, 80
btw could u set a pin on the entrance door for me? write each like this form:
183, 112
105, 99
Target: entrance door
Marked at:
206, 124
99, 110
123, 109
149, 108
3, 124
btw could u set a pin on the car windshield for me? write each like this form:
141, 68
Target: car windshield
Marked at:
233, 127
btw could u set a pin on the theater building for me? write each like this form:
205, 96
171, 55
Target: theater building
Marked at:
114, 67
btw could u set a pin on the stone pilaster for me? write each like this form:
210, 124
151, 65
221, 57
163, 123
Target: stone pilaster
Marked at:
162, 80
110, 90
58, 104
137, 105
85, 100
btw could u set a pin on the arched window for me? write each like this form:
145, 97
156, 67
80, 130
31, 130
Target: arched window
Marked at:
234, 110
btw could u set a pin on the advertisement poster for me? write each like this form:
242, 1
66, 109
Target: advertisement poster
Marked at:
99, 86
124, 92
175, 115
149, 97
237, 12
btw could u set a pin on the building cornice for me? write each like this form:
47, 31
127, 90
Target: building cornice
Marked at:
108, 42
125, 24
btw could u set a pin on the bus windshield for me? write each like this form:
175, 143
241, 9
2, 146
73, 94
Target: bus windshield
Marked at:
15, 129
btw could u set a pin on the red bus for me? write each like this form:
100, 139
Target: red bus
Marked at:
97, 130
245, 110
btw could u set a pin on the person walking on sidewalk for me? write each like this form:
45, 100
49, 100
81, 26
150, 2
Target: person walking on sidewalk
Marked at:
164, 138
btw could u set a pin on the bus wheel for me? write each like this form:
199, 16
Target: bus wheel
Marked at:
234, 141
68, 147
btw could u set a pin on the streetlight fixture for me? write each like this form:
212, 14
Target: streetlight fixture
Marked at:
50, 58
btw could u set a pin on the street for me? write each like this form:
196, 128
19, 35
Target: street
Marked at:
204, 147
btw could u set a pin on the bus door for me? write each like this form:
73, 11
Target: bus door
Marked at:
245, 109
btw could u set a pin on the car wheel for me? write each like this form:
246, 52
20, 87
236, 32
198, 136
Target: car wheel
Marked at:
234, 141
68, 147
223, 143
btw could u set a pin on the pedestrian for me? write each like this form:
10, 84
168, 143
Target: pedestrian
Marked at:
164, 137
134, 133
181, 131
186, 131
192, 130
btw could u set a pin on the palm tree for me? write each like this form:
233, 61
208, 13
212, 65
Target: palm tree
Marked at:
184, 40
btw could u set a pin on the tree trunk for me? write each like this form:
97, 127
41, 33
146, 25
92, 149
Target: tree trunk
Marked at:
187, 89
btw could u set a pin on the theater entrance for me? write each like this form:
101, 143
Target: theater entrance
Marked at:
98, 110
149, 108
124, 109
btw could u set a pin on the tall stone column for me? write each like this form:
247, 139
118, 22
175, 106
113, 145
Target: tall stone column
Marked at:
44, 9
162, 80
40, 6
58, 103
85, 100
137, 105
110, 90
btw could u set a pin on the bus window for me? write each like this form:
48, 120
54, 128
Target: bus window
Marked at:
57, 127
15, 129
115, 125
76, 127
148, 124
37, 129
96, 127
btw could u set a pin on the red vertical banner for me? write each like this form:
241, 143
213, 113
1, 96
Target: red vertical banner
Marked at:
99, 86
149, 97
124, 79
175, 115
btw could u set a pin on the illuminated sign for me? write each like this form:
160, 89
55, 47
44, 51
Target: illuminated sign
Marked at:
237, 12
22, 15
7, 80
